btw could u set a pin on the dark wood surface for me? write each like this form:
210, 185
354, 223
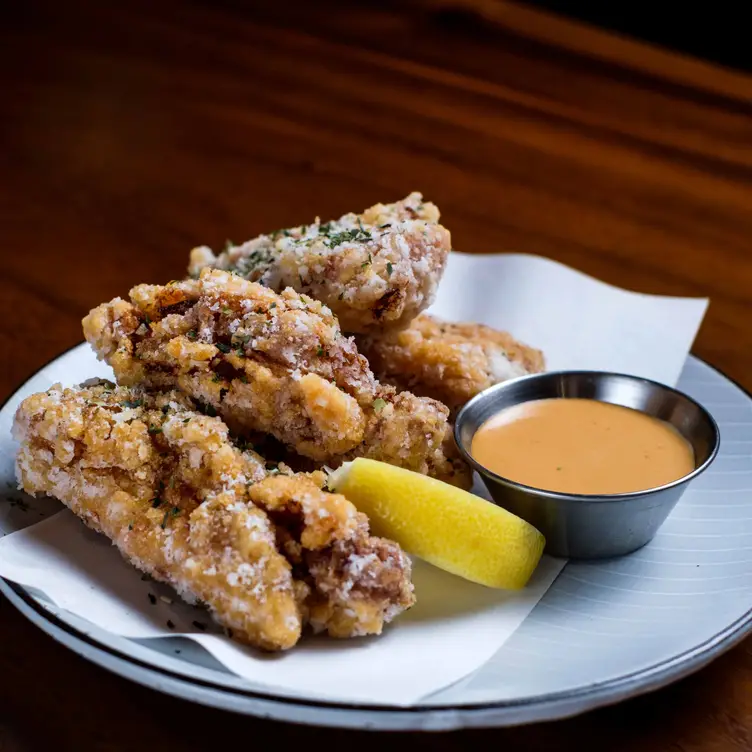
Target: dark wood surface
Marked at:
130, 132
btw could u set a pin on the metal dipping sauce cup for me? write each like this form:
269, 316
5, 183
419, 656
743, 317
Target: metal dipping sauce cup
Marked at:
583, 526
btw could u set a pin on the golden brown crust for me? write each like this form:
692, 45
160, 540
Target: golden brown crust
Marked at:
357, 582
181, 502
448, 362
268, 362
376, 271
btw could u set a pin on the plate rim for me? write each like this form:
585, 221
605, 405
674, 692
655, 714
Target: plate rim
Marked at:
555, 705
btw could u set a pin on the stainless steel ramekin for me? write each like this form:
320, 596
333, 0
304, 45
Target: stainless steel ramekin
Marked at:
582, 526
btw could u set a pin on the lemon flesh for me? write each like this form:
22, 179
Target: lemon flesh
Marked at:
443, 525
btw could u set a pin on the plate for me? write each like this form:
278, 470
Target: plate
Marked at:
604, 631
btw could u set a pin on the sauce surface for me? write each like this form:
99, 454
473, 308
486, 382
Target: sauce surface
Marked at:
582, 446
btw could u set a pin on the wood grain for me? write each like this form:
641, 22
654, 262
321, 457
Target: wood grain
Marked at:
131, 132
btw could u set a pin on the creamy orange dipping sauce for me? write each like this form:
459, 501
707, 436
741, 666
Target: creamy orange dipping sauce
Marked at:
582, 446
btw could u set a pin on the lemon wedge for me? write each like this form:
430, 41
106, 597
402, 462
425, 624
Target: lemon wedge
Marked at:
444, 525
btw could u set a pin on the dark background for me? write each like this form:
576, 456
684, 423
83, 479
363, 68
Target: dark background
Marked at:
712, 30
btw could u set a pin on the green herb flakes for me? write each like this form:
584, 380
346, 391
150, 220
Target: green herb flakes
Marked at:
378, 405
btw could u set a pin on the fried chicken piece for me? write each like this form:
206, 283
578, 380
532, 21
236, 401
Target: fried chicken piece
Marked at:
186, 505
357, 582
375, 271
268, 362
449, 362
166, 486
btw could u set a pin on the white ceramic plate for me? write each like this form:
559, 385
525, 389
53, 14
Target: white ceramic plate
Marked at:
604, 631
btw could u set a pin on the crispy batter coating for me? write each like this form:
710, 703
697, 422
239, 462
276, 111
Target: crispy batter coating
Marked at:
184, 504
446, 361
100, 451
268, 362
377, 270
357, 581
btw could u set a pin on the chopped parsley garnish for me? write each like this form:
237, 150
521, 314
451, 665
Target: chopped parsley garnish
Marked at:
324, 229
222, 347
383, 227
18, 504
227, 311
132, 404
347, 236
186, 420
367, 263
165, 409
175, 511
199, 625
320, 351
152, 599
389, 268
243, 379
216, 378
164, 519
154, 430
191, 334
273, 305
378, 405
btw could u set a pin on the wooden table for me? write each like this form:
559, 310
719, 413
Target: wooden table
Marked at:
131, 132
